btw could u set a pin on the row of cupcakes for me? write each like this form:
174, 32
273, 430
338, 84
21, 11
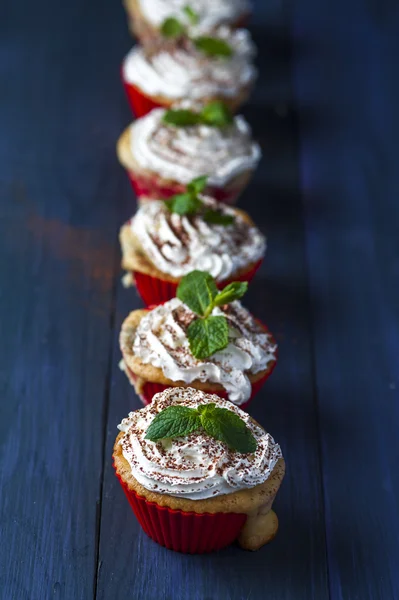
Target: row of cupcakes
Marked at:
197, 470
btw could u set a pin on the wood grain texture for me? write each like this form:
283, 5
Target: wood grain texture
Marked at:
293, 567
58, 191
347, 88
66, 528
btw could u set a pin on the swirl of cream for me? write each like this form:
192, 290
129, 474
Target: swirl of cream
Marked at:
211, 13
161, 340
195, 466
183, 153
184, 72
179, 244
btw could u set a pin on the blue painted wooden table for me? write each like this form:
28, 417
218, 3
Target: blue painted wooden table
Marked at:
327, 194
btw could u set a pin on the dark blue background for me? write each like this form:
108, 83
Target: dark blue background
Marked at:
326, 193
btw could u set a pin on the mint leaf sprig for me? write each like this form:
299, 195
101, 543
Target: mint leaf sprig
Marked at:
212, 46
208, 333
220, 423
213, 114
173, 28
189, 203
191, 14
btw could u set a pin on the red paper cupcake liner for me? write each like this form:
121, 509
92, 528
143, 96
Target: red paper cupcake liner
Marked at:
139, 103
181, 531
149, 389
243, 22
150, 189
154, 290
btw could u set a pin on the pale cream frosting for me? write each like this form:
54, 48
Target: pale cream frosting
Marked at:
183, 153
196, 466
184, 72
161, 340
178, 244
211, 13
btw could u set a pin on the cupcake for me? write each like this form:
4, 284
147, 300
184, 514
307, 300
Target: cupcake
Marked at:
201, 69
163, 151
148, 19
166, 240
199, 473
203, 338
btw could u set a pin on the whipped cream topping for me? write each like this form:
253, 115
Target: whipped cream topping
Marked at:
179, 244
161, 340
211, 13
184, 72
183, 153
195, 466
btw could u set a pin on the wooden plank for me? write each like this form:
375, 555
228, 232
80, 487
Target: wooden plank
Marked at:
294, 566
347, 86
58, 192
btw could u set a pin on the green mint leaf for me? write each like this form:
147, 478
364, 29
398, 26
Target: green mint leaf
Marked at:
191, 14
174, 421
181, 118
216, 114
197, 290
215, 217
206, 408
172, 28
196, 186
183, 204
207, 336
233, 291
213, 46
227, 427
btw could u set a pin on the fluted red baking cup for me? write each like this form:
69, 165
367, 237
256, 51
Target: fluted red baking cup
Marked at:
150, 189
243, 22
154, 290
227, 195
149, 389
139, 103
181, 531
